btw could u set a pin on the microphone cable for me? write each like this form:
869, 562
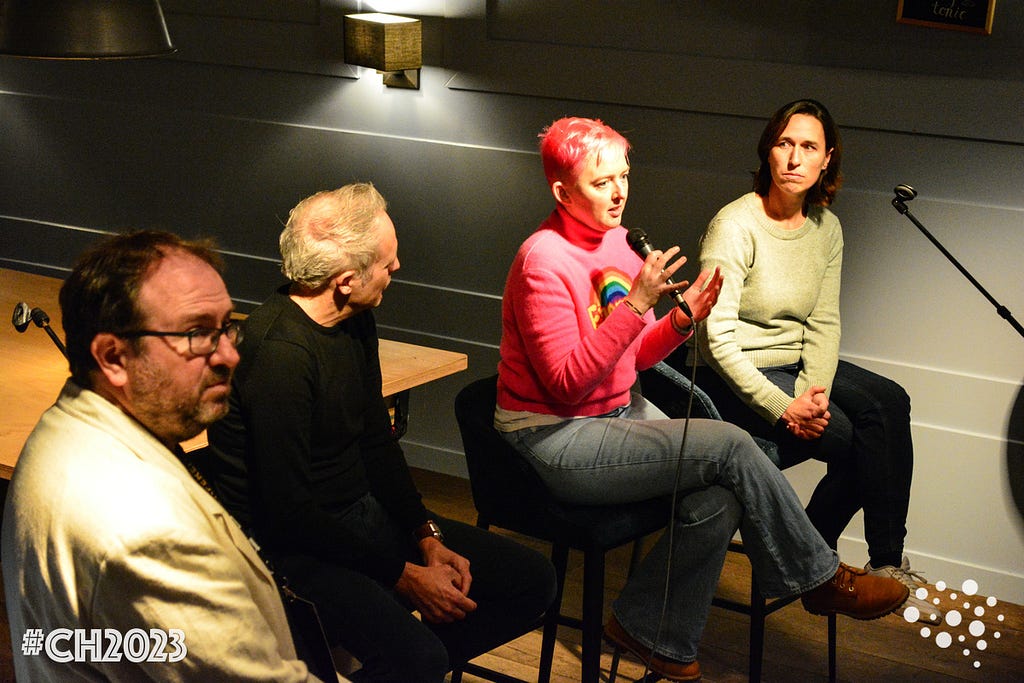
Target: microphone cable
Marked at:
672, 507
640, 244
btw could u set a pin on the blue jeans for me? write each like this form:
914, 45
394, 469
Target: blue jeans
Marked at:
724, 481
867, 446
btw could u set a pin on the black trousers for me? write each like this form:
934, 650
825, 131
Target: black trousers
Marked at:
867, 447
512, 585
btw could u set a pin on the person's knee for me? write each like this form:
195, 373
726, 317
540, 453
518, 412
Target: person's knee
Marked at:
537, 578
420, 658
889, 396
741, 448
544, 582
531, 578
713, 507
899, 397
734, 437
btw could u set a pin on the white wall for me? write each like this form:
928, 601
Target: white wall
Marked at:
258, 111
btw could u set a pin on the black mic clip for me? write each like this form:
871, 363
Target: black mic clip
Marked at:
904, 193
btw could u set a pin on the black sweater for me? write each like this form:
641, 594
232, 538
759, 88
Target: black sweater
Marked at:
307, 435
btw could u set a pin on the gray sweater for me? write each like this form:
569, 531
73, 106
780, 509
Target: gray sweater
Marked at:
779, 303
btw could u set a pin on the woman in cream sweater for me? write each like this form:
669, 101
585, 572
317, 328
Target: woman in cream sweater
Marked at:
769, 351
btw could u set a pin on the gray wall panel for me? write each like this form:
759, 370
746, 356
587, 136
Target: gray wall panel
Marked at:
217, 141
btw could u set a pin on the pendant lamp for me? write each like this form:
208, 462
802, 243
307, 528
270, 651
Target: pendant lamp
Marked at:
83, 29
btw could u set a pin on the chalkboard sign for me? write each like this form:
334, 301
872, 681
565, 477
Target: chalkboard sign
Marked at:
974, 16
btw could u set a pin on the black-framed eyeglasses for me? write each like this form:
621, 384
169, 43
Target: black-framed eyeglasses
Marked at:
202, 341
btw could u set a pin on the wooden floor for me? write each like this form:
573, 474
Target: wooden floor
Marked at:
887, 649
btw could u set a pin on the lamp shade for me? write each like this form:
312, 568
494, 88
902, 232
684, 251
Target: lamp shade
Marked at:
384, 42
83, 29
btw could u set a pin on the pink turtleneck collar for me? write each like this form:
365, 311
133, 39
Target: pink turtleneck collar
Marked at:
577, 233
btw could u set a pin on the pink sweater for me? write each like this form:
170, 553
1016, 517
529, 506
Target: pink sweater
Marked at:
567, 347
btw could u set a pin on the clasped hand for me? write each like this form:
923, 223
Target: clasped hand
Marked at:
649, 285
808, 414
440, 589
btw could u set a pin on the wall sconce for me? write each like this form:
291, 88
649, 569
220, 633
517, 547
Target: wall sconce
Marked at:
388, 43
83, 29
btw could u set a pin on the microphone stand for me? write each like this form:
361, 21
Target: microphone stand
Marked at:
905, 193
23, 316
45, 324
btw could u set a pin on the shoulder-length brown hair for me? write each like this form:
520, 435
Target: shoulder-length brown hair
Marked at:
831, 178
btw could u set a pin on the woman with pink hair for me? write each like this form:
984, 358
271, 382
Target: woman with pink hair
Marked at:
577, 324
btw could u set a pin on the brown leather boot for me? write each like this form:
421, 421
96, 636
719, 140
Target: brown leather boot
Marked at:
664, 667
856, 594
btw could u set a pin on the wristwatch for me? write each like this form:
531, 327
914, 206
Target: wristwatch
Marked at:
430, 528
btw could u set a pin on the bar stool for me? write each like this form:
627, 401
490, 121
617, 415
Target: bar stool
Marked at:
507, 493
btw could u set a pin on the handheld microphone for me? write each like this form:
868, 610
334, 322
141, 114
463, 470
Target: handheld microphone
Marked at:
638, 242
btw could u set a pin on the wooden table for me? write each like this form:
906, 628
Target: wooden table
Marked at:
34, 370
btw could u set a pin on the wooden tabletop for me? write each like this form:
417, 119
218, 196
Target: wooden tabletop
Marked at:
404, 366
34, 370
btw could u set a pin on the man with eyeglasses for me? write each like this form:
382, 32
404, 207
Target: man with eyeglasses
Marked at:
117, 563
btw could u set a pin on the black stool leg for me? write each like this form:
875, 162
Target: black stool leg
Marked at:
593, 604
560, 559
613, 672
757, 617
832, 648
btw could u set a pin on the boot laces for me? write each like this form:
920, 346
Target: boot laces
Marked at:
845, 577
907, 577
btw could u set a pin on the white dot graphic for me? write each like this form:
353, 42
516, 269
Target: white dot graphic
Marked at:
963, 625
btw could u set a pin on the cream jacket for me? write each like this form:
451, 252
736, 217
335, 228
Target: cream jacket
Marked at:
105, 529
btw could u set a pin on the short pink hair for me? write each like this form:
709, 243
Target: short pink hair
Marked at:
567, 144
